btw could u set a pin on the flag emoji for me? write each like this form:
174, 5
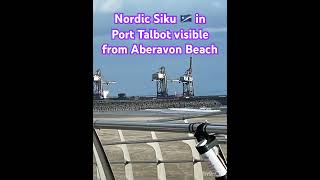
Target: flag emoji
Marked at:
185, 18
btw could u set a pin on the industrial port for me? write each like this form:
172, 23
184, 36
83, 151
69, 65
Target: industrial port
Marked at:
161, 100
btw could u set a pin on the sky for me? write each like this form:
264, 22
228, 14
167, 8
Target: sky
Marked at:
133, 73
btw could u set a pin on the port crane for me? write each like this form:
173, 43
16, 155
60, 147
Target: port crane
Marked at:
98, 90
187, 81
161, 80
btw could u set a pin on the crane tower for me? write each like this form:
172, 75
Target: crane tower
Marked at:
187, 82
98, 90
161, 80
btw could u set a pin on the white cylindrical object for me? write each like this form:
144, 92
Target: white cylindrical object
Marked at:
214, 163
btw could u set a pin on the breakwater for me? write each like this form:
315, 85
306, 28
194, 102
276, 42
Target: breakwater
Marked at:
139, 103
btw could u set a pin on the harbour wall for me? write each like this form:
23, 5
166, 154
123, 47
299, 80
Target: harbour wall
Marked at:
135, 104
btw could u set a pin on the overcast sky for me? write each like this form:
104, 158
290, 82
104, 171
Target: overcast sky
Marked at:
133, 73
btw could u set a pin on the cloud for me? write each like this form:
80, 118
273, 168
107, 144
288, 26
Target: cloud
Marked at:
107, 6
215, 29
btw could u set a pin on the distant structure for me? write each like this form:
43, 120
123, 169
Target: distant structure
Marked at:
98, 90
122, 96
187, 82
161, 80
